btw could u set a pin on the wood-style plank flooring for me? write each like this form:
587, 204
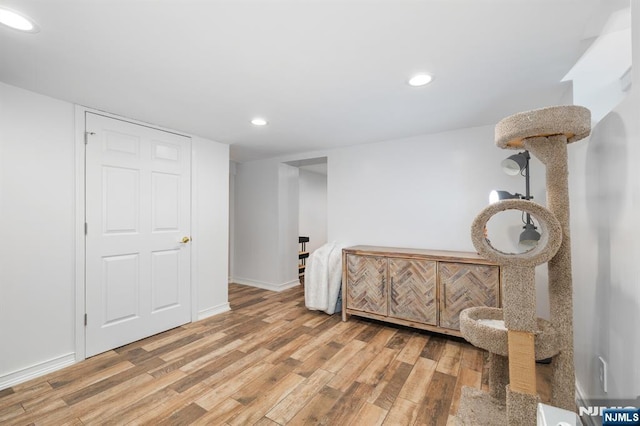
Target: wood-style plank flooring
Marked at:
269, 361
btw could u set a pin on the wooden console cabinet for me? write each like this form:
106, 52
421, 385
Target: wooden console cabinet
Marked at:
425, 289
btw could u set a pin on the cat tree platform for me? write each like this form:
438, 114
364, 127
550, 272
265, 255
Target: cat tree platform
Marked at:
572, 121
484, 327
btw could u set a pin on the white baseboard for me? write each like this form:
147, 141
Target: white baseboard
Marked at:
267, 286
37, 370
214, 310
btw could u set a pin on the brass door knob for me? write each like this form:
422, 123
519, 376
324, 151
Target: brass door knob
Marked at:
185, 240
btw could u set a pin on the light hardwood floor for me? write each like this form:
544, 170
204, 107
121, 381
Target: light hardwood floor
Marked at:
269, 361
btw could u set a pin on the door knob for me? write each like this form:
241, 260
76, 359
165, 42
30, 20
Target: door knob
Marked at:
185, 240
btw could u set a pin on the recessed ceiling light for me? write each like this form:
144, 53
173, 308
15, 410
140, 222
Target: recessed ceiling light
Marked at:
259, 121
17, 21
420, 80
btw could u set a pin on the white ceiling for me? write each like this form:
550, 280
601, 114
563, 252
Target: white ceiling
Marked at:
325, 73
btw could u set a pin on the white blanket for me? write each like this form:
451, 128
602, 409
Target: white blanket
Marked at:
323, 278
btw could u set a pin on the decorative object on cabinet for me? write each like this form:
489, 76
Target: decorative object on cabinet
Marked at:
303, 254
514, 337
424, 289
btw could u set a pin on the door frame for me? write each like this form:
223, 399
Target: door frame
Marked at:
79, 219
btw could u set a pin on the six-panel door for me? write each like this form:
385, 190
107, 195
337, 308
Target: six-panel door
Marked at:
138, 213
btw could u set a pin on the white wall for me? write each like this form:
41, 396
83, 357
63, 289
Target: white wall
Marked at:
418, 192
37, 226
37, 254
605, 207
256, 224
288, 191
312, 212
232, 217
210, 192
266, 225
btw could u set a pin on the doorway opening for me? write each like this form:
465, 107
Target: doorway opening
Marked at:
312, 206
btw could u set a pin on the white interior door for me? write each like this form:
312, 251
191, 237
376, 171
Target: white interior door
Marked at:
138, 203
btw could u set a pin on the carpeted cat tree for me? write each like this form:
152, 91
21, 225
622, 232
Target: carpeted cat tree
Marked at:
514, 337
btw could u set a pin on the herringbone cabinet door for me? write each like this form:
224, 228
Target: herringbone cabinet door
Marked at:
413, 290
464, 286
367, 284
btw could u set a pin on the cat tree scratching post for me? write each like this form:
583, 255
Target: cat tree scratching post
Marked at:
514, 331
546, 133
